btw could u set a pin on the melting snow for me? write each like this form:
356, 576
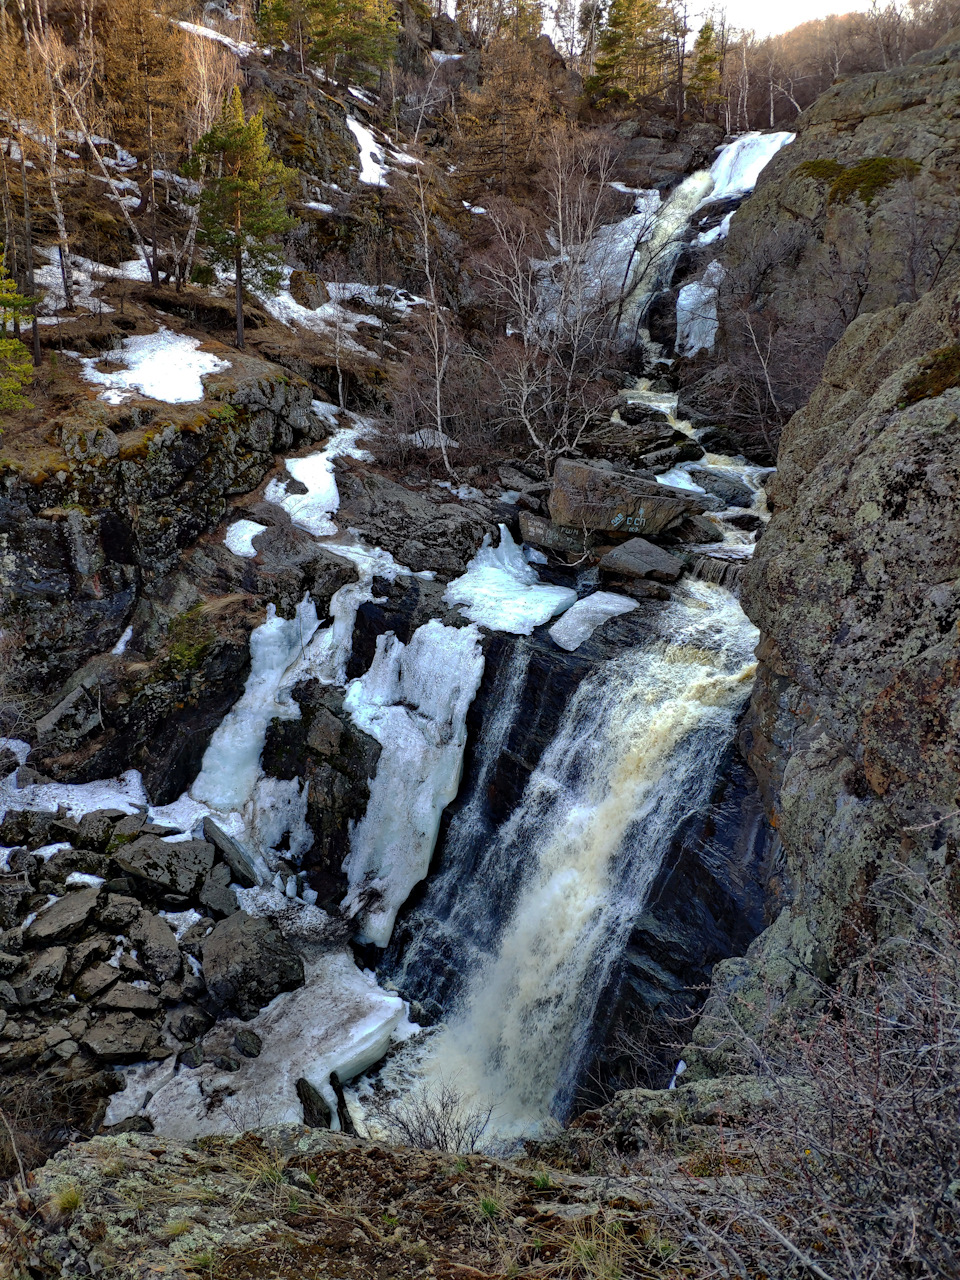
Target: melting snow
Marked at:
121, 645
372, 169
239, 47
240, 535
501, 591
312, 510
583, 618
164, 366
126, 793
719, 232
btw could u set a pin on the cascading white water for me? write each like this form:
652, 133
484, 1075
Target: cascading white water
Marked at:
636, 753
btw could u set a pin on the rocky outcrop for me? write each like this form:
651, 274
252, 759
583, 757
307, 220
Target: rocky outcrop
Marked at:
858, 214
852, 729
127, 489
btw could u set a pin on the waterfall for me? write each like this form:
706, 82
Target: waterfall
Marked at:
635, 754
450, 930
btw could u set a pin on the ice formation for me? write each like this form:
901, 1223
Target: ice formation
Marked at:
719, 232
231, 763
738, 166
338, 1021
502, 592
163, 365
583, 618
697, 320
413, 701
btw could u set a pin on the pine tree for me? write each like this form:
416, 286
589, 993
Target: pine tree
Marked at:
338, 34
704, 82
632, 48
16, 365
242, 200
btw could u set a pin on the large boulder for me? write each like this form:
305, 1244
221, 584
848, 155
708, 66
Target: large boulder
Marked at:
588, 496
246, 963
179, 866
63, 918
638, 558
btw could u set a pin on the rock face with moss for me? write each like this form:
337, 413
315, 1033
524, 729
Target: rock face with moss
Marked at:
858, 214
853, 725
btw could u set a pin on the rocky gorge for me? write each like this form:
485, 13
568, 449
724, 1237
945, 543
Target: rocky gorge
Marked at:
328, 786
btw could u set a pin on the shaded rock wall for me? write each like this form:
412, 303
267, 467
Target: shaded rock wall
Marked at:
853, 724
858, 214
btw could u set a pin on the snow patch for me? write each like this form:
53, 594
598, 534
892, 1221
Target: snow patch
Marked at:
240, 47
126, 793
121, 645
372, 169
164, 366
240, 535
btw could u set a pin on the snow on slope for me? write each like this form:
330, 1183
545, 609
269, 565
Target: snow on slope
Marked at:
163, 365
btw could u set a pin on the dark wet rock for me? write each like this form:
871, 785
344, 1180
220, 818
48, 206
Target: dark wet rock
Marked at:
236, 858
119, 912
180, 866
248, 1043
731, 491
216, 896
97, 829
246, 963
663, 459
638, 558
553, 537
188, 1022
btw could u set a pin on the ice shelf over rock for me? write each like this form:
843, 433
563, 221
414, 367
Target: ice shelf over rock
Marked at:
501, 591
738, 166
414, 701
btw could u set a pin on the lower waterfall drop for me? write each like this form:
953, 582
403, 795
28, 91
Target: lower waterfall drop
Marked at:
636, 754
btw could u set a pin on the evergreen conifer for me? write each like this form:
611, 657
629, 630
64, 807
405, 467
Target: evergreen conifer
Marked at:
16, 365
242, 199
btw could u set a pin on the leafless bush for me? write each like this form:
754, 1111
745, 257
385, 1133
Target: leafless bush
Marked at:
434, 1120
19, 705
856, 1169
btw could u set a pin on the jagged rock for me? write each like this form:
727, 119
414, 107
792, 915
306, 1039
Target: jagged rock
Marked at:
156, 946
123, 1037
26, 827
39, 981
308, 289
236, 858
8, 762
95, 981
128, 998
216, 895
119, 912
96, 829
638, 558
543, 533
9, 964
695, 529
180, 866
246, 963
63, 918
586, 496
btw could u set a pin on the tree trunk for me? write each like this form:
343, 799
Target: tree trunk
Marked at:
28, 254
238, 269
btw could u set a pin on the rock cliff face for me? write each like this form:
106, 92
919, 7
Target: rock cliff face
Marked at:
853, 725
858, 214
